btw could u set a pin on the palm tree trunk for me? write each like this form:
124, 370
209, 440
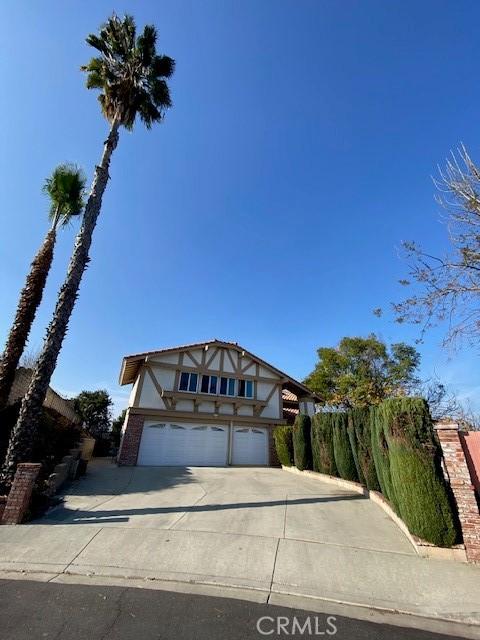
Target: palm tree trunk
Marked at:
29, 301
23, 434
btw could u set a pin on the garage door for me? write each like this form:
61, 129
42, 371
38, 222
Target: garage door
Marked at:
249, 445
165, 444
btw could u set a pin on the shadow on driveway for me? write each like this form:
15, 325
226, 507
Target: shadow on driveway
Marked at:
103, 477
123, 515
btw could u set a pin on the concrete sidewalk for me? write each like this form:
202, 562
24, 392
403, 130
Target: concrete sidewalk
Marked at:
292, 538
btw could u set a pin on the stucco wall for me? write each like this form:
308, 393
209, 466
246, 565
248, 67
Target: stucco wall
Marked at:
215, 360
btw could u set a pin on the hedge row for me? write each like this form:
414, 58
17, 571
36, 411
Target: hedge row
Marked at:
302, 450
416, 483
391, 448
283, 437
322, 444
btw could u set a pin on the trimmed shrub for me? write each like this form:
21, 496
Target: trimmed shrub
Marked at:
283, 437
302, 450
354, 445
359, 431
342, 450
415, 470
381, 458
323, 457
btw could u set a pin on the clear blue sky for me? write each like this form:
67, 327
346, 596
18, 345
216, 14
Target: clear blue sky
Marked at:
268, 207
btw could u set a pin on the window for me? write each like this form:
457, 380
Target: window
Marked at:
213, 384
227, 386
209, 384
245, 389
188, 381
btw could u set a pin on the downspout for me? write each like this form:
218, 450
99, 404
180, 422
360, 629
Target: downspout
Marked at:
230, 443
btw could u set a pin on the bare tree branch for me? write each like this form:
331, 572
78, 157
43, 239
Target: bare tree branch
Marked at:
447, 288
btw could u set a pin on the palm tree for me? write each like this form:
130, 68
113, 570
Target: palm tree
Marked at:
131, 79
65, 189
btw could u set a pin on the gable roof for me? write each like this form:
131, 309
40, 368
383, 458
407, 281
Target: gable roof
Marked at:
132, 363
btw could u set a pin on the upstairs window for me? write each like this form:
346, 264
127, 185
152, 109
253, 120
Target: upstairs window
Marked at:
209, 384
227, 386
188, 382
215, 385
245, 389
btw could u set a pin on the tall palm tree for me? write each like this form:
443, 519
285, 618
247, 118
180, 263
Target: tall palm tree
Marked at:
131, 78
65, 189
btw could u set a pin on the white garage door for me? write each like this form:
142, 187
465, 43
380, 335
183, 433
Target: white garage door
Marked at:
166, 444
249, 445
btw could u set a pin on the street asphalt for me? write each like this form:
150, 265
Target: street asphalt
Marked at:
43, 610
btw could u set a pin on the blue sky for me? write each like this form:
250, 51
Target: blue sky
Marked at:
268, 207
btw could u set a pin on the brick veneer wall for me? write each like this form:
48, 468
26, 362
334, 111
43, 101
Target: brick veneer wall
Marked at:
462, 488
130, 443
18, 499
272, 451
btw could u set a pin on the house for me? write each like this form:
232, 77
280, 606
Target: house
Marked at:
205, 404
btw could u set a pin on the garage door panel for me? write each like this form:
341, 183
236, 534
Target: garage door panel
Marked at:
250, 445
183, 445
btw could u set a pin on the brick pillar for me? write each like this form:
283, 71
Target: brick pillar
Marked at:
462, 488
18, 499
128, 452
273, 460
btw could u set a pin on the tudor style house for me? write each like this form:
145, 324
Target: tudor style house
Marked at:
206, 404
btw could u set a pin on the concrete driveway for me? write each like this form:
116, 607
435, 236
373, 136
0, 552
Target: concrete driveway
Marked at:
274, 533
261, 502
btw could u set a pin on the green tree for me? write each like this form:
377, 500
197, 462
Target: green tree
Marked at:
117, 425
363, 371
131, 78
94, 409
65, 189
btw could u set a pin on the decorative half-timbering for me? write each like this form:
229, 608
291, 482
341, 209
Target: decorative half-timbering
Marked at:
209, 403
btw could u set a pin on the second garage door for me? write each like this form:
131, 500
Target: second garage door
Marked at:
249, 445
183, 445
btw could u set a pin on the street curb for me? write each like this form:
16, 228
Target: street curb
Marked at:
422, 548
316, 604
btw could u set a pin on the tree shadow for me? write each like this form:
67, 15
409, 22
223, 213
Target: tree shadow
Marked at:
104, 477
71, 516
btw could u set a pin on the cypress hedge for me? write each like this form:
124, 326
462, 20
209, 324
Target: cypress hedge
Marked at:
302, 451
322, 444
359, 431
380, 452
415, 470
283, 437
354, 445
342, 450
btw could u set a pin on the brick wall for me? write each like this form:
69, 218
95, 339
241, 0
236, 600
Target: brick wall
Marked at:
18, 499
132, 434
461, 484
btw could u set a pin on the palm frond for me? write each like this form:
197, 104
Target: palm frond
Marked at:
66, 190
129, 73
